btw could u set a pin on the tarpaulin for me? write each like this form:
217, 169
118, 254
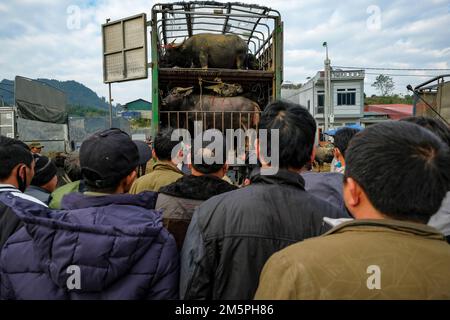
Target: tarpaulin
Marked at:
40, 102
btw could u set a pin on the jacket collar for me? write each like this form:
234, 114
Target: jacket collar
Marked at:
282, 177
77, 200
160, 165
197, 188
8, 188
417, 229
31, 187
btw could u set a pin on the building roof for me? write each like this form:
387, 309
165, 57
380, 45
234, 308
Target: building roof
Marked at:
139, 104
394, 111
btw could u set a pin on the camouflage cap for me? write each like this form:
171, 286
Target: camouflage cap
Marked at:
36, 144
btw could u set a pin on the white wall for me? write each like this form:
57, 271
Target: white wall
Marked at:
347, 110
306, 93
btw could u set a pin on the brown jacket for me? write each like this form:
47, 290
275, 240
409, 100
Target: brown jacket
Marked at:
162, 174
410, 260
180, 199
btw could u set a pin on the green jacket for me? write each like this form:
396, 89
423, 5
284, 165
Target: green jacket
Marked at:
362, 259
59, 193
162, 174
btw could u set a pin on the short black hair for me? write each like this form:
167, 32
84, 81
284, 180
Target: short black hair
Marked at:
438, 127
343, 137
297, 129
12, 153
163, 145
402, 167
211, 166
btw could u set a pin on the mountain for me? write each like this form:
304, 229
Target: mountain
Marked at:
7, 92
77, 93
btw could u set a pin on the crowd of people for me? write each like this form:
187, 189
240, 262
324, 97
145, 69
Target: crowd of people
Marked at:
131, 223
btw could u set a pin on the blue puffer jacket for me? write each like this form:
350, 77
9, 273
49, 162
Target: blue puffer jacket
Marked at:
117, 241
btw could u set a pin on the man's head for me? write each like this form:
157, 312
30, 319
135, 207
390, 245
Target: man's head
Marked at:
44, 173
36, 147
436, 126
72, 166
16, 163
341, 140
210, 161
163, 145
296, 128
108, 161
396, 170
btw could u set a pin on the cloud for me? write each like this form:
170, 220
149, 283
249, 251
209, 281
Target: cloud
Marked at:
410, 35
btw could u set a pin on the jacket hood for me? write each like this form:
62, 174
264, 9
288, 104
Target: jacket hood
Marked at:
373, 225
104, 240
197, 187
77, 200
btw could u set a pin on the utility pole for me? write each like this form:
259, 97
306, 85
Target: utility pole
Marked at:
327, 85
110, 107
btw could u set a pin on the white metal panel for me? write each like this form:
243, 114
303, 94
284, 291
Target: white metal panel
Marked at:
125, 49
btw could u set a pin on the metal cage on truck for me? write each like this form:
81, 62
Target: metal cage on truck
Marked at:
262, 29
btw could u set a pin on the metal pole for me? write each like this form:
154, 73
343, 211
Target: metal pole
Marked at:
327, 85
110, 107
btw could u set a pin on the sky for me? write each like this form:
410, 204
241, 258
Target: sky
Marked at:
61, 39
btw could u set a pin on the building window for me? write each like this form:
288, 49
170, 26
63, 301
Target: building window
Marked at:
346, 97
320, 101
309, 105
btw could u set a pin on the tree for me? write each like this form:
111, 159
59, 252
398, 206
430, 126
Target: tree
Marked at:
384, 85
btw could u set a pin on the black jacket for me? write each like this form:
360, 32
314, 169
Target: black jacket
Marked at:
231, 236
9, 222
179, 200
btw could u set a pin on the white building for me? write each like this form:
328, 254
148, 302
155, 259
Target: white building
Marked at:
347, 97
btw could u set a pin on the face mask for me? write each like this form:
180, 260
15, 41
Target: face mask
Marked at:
21, 182
336, 166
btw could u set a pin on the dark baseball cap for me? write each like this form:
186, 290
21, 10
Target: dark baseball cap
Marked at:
108, 156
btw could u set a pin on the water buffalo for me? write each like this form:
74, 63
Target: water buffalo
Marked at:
238, 112
207, 50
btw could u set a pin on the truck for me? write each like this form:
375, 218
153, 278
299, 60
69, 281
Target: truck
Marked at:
260, 27
432, 98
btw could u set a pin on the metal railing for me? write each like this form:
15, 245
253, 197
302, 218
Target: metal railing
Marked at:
220, 120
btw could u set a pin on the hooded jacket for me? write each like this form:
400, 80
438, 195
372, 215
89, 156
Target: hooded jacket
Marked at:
115, 245
232, 235
179, 200
362, 259
9, 222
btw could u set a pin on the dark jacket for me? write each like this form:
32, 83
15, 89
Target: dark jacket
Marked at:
39, 193
232, 235
179, 200
117, 241
326, 186
9, 222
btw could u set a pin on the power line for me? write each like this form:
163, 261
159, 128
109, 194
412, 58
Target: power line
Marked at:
391, 69
403, 75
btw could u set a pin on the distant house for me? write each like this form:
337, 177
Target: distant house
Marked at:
347, 97
140, 105
393, 111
